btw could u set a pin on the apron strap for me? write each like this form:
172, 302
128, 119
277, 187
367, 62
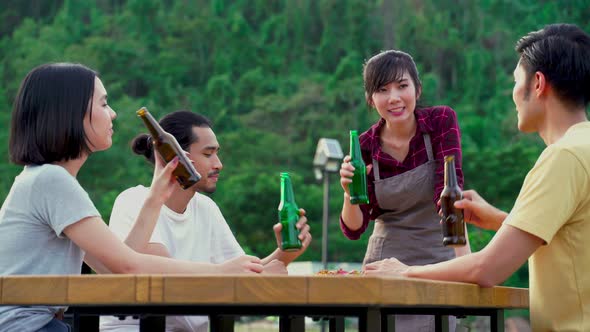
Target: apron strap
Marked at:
428, 147
376, 169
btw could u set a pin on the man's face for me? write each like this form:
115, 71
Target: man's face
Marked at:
527, 108
204, 155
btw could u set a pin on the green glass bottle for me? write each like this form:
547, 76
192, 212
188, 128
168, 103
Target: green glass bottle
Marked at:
288, 216
168, 147
358, 187
453, 225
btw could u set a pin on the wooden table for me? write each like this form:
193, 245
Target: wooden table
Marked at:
372, 299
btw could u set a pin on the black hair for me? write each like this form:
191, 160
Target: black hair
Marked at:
562, 53
179, 124
386, 67
47, 122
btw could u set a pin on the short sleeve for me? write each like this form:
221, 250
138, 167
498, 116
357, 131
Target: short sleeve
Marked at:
61, 201
550, 194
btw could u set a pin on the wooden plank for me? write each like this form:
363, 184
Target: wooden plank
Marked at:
509, 297
34, 290
198, 289
344, 290
99, 289
271, 289
486, 297
409, 291
156, 289
142, 288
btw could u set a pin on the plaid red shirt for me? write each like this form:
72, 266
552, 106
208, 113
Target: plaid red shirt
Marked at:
438, 121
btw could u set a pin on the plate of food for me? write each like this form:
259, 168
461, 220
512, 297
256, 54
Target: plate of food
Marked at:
339, 272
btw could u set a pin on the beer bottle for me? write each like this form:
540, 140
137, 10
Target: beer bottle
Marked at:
168, 147
453, 225
288, 216
358, 187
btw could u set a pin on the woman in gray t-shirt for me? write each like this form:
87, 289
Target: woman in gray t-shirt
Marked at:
48, 224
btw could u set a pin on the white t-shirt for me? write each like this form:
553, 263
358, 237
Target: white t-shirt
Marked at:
200, 234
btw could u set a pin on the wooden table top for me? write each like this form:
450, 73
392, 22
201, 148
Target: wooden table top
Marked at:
252, 290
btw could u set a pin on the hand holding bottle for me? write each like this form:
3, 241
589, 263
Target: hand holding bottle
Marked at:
163, 181
479, 212
347, 172
304, 236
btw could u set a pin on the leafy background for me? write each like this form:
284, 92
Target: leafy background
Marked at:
275, 76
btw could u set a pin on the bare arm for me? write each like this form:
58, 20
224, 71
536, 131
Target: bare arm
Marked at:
506, 252
93, 236
466, 249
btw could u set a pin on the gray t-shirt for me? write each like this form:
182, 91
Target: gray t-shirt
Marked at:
42, 202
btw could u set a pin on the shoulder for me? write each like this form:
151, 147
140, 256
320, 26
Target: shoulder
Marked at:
52, 179
559, 153
49, 173
435, 113
436, 118
135, 195
204, 202
562, 163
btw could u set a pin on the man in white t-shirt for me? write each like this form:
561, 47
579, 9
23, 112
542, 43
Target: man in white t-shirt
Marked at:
190, 226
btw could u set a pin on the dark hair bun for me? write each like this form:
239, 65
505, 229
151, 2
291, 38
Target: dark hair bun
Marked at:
142, 145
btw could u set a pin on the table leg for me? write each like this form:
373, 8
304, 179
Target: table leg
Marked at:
152, 324
441, 323
497, 320
387, 322
85, 323
220, 323
336, 324
370, 320
292, 324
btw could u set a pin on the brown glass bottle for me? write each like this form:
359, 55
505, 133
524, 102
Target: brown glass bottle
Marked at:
168, 147
453, 225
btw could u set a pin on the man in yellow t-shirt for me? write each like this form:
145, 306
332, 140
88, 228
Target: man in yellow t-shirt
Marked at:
550, 220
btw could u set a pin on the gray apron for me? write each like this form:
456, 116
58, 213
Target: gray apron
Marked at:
410, 231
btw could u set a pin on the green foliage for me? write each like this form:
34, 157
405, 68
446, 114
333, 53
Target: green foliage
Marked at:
275, 76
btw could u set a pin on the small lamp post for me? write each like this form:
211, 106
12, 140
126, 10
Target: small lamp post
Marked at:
327, 159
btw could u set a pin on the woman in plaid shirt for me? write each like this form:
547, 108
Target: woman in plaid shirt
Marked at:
404, 154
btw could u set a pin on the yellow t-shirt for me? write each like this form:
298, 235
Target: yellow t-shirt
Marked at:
554, 205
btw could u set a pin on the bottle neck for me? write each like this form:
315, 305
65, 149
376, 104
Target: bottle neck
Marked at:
287, 195
450, 173
152, 125
355, 147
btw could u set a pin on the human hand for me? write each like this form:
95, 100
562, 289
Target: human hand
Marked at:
242, 264
274, 267
479, 212
163, 181
304, 236
389, 266
347, 172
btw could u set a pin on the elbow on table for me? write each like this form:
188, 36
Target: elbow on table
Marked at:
484, 275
